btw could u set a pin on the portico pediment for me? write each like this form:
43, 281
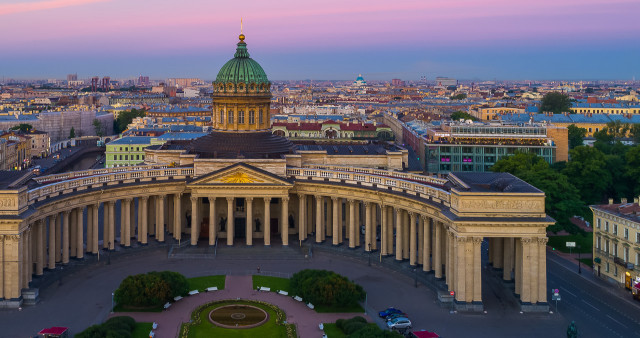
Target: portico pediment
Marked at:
240, 174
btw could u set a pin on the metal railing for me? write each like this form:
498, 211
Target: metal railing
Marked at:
93, 172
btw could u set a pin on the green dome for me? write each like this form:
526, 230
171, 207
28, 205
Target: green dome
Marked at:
242, 68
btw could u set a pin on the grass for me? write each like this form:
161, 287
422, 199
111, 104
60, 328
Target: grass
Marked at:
332, 331
275, 283
206, 329
587, 261
353, 308
202, 283
141, 330
584, 241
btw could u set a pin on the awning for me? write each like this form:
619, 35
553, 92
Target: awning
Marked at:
597, 260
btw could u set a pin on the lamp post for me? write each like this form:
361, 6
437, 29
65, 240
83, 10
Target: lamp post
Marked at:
108, 254
112, 294
415, 274
579, 267
369, 254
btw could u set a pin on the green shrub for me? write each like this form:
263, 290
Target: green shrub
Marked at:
322, 287
372, 331
151, 290
116, 327
340, 324
352, 327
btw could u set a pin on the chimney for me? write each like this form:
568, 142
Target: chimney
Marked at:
611, 201
623, 200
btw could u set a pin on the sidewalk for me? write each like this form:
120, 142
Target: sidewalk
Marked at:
298, 313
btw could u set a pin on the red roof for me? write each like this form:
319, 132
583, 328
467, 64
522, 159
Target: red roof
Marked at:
54, 330
425, 334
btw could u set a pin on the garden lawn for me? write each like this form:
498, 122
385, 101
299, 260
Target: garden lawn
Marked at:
584, 241
333, 331
206, 329
202, 283
275, 283
141, 330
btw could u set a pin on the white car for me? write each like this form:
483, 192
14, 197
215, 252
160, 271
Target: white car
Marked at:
399, 323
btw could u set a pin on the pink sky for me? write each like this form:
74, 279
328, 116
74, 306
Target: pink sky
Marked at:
168, 25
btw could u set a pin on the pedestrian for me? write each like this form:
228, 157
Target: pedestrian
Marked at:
258, 269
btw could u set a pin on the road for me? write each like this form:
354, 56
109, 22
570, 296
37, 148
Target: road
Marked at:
598, 308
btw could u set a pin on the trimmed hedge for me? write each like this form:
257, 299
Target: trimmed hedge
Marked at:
322, 287
151, 290
116, 327
357, 327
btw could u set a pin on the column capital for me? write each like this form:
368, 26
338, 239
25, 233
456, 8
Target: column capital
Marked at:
285, 198
461, 239
335, 199
144, 198
366, 204
526, 240
397, 209
301, 195
211, 199
411, 213
542, 240
424, 217
477, 240
351, 200
66, 212
128, 199
318, 196
163, 196
193, 199
110, 202
249, 199
230, 199
267, 199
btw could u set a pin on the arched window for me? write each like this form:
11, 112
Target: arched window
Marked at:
252, 117
230, 117
221, 116
240, 116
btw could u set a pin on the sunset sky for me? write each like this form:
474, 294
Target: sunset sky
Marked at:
328, 39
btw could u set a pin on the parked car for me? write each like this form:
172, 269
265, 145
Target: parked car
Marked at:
396, 315
399, 323
388, 311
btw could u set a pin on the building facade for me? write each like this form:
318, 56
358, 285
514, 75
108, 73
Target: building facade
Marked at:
616, 241
126, 151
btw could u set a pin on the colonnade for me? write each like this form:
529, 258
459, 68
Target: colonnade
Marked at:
420, 239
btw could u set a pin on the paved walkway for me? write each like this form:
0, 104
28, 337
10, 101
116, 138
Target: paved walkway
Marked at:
298, 313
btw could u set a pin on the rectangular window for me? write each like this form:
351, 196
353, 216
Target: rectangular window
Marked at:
221, 116
252, 117
625, 252
607, 267
606, 246
637, 258
598, 239
626, 233
230, 117
615, 229
606, 226
260, 118
126, 157
615, 250
241, 116
638, 237
599, 223
137, 157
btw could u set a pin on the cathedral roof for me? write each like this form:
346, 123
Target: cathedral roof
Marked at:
242, 68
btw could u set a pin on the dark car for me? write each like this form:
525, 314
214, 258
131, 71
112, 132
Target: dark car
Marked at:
388, 312
396, 315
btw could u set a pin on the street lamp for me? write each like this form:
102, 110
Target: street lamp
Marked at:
112, 294
369, 254
579, 267
415, 274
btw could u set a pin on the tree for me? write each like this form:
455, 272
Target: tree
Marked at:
460, 96
460, 115
634, 133
324, 287
576, 136
72, 133
98, 127
555, 102
632, 169
125, 118
520, 163
588, 172
151, 290
23, 127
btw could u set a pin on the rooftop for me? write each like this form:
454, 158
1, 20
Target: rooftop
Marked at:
131, 140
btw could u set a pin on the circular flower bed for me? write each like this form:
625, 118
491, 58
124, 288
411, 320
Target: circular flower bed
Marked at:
238, 316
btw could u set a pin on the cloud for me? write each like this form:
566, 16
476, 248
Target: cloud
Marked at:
6, 9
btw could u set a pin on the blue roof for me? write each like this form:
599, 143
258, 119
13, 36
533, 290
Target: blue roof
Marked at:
595, 118
132, 140
181, 136
606, 105
632, 119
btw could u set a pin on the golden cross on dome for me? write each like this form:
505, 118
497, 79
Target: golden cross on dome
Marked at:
240, 25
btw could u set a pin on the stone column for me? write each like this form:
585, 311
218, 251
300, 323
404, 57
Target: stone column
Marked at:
390, 227
532, 269
426, 241
524, 277
52, 241
336, 238
177, 216
352, 224
132, 219
39, 247
437, 250
230, 221
542, 269
340, 232
95, 234
80, 233
476, 270
160, 201
412, 239
249, 222
367, 226
405, 235
285, 220
65, 236
112, 225
73, 232
399, 234
420, 239
153, 216
383, 230
89, 228
498, 251
518, 267
374, 229
449, 260
301, 217
358, 223
267, 221
194, 220
143, 227
26, 274
125, 231
212, 221
58, 240
329, 224
319, 217
507, 246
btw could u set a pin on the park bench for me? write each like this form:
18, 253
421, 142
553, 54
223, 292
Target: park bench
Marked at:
284, 293
167, 305
264, 288
309, 305
212, 288
154, 326
297, 298
175, 299
193, 292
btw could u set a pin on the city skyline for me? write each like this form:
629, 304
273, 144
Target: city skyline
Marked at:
496, 39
